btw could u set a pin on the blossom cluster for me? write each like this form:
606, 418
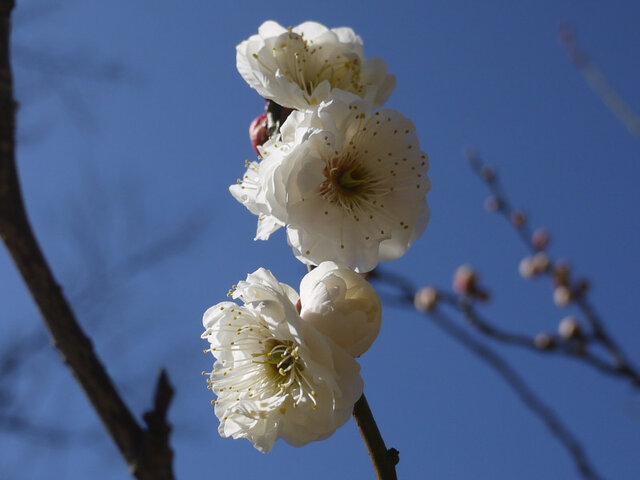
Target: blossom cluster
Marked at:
348, 181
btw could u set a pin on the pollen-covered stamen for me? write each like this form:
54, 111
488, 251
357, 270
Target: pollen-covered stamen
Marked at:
285, 369
307, 65
349, 185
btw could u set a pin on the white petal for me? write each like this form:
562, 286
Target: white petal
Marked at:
309, 64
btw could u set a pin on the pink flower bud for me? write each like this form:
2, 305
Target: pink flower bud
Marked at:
492, 204
540, 262
488, 173
540, 239
561, 272
426, 299
464, 280
258, 131
544, 341
569, 328
518, 218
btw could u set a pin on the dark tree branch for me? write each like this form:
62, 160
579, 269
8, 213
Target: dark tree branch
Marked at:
76, 348
404, 292
522, 390
622, 366
384, 460
403, 296
578, 351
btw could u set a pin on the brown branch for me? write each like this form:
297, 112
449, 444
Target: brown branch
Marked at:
622, 366
403, 297
522, 390
76, 348
384, 460
576, 350
619, 367
598, 81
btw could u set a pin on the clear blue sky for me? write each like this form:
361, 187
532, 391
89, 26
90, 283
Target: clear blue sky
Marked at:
110, 166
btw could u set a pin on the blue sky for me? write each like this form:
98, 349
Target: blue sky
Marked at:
110, 166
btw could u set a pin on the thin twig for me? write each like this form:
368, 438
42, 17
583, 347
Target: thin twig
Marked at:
526, 395
403, 297
597, 80
577, 351
621, 365
75, 347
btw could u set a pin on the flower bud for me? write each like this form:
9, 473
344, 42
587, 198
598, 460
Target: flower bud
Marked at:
561, 272
540, 239
464, 280
518, 218
341, 304
488, 173
540, 262
526, 268
561, 295
544, 341
426, 299
258, 131
569, 328
492, 204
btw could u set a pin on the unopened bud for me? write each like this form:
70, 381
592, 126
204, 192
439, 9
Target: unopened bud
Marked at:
341, 304
492, 204
426, 299
544, 341
518, 218
258, 131
561, 272
488, 173
540, 262
569, 328
464, 280
526, 267
561, 295
540, 239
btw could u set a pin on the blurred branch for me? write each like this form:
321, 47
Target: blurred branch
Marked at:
522, 390
577, 349
404, 295
598, 81
558, 273
76, 348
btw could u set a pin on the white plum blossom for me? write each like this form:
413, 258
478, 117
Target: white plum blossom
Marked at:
301, 66
349, 184
275, 375
343, 305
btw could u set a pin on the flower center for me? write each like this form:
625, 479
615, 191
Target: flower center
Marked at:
346, 182
285, 369
305, 64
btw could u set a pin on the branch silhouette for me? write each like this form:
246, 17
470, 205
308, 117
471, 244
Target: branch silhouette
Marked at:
403, 295
619, 364
146, 450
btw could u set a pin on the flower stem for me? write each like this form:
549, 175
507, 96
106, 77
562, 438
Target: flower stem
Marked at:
384, 460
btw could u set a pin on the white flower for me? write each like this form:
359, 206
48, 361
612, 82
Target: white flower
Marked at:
349, 185
343, 305
276, 376
301, 66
